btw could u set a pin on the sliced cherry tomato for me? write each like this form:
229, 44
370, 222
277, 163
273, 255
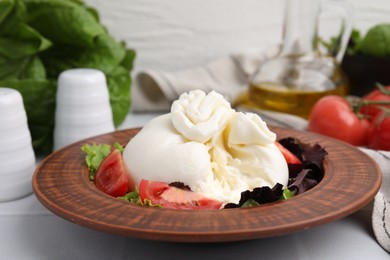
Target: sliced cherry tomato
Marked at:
379, 132
174, 198
376, 95
334, 117
289, 156
111, 177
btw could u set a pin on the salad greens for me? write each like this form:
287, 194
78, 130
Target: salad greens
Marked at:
134, 197
95, 154
263, 195
41, 38
376, 42
302, 177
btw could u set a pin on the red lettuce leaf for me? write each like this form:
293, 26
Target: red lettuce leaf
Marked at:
302, 177
261, 195
303, 182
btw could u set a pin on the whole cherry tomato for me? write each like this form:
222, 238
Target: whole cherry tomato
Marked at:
334, 117
379, 132
379, 96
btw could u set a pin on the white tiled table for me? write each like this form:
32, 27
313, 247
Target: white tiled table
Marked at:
30, 231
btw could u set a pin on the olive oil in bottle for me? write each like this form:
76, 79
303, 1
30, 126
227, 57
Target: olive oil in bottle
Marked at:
299, 75
294, 93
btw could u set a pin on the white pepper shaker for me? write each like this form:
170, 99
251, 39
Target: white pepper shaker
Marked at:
82, 106
17, 158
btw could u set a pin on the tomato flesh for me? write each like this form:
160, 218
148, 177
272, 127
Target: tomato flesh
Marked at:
111, 177
174, 198
289, 156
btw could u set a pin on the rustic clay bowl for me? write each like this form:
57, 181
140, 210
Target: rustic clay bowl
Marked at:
351, 180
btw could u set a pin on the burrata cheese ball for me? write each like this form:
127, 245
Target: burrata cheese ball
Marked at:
209, 146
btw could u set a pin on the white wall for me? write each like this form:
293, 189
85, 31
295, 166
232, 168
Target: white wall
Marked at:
176, 34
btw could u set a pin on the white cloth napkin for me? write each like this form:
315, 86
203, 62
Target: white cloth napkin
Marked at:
155, 90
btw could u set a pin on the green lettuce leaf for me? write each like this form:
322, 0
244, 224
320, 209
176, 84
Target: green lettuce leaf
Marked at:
30, 67
118, 81
250, 203
12, 13
63, 21
287, 193
95, 154
134, 197
106, 54
6, 7
119, 147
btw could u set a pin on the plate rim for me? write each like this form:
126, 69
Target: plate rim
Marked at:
200, 235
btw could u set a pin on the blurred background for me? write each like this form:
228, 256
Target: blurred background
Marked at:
41, 39
176, 34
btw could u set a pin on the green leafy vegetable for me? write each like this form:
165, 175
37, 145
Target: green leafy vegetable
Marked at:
304, 181
250, 203
41, 38
96, 153
119, 147
333, 45
287, 193
260, 195
301, 179
354, 42
376, 42
133, 197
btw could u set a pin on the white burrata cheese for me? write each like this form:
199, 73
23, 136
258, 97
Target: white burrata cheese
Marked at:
160, 153
208, 146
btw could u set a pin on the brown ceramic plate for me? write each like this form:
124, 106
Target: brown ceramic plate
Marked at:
61, 184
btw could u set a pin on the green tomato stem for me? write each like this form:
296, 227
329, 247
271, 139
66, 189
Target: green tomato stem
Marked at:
364, 103
358, 104
383, 116
383, 89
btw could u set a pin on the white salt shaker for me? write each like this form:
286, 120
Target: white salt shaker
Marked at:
17, 158
82, 106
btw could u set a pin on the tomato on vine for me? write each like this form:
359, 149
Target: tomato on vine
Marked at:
376, 99
334, 116
360, 122
379, 131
